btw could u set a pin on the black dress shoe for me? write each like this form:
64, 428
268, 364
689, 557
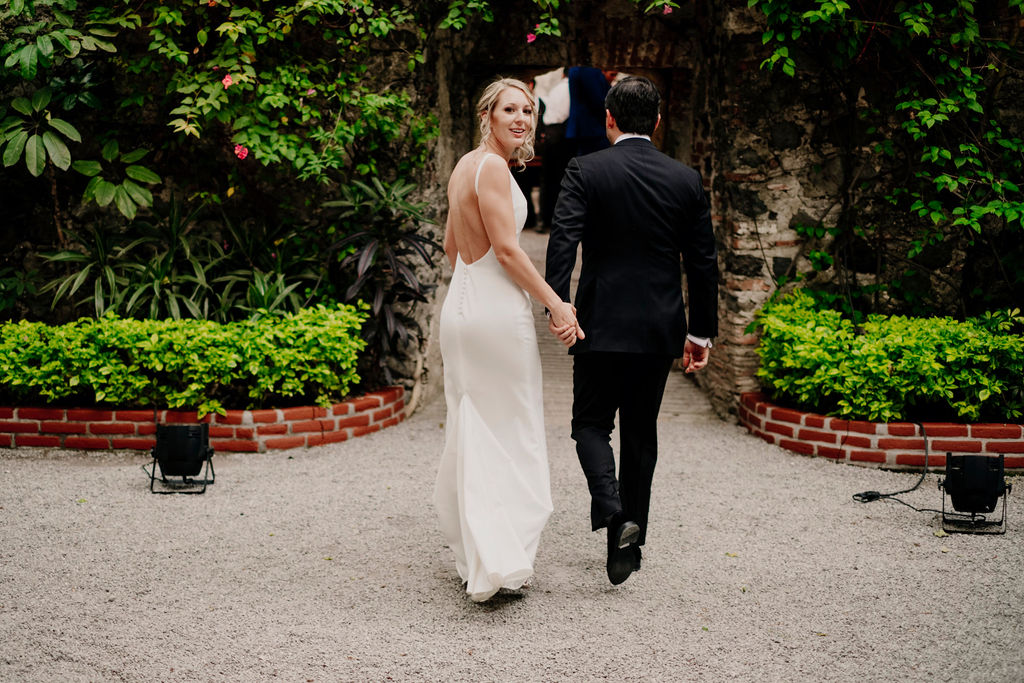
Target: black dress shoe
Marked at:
637, 557
622, 538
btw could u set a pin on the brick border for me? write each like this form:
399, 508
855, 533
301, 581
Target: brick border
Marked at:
893, 445
254, 431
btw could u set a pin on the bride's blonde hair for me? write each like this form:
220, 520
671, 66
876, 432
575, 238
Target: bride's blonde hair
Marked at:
486, 104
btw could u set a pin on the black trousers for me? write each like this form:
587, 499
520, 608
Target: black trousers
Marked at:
631, 384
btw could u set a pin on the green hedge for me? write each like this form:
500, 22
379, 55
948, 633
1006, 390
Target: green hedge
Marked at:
892, 368
183, 364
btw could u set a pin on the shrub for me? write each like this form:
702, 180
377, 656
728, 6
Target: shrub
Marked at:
894, 367
183, 364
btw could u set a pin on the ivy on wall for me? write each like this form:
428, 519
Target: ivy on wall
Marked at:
925, 81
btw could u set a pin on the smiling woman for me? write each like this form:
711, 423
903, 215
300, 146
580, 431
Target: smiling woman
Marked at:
492, 493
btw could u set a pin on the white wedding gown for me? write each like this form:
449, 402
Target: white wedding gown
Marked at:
493, 493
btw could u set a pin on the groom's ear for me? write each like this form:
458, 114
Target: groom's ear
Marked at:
609, 120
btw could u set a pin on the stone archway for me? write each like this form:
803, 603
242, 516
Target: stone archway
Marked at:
699, 56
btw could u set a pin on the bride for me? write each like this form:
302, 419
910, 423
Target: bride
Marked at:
493, 493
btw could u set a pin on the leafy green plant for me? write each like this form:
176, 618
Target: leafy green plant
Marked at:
378, 254
892, 367
921, 80
177, 259
265, 293
184, 364
94, 259
119, 182
16, 283
32, 134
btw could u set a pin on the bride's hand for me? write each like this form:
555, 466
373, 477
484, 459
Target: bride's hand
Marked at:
566, 334
563, 323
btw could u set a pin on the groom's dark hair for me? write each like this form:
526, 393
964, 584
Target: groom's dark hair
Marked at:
634, 103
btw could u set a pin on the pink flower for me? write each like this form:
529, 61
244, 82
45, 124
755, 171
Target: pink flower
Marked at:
227, 81
530, 37
241, 151
310, 92
667, 10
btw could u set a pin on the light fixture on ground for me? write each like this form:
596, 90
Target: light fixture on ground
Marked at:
974, 484
182, 451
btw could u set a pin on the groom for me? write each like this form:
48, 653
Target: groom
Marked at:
637, 212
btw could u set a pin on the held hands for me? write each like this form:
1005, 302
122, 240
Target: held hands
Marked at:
695, 356
562, 323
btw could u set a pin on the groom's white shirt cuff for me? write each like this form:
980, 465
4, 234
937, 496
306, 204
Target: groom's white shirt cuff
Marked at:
700, 341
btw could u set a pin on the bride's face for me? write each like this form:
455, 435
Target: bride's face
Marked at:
511, 119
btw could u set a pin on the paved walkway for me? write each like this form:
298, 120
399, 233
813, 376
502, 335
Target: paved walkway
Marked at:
326, 564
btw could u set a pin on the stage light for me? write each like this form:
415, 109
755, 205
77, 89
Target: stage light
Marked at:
182, 451
974, 484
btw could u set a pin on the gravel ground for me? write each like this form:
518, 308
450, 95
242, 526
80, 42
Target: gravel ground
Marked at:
326, 564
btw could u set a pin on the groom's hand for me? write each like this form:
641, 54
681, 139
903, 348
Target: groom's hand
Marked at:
695, 356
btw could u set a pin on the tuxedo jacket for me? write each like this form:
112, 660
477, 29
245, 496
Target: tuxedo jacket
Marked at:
639, 214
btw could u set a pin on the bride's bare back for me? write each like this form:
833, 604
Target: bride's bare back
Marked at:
465, 221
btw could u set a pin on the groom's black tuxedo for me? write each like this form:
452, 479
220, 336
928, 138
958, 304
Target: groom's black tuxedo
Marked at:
638, 214
636, 211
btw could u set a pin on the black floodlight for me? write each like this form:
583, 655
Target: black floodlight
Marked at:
182, 451
974, 484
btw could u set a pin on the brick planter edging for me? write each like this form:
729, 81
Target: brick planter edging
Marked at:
254, 431
895, 445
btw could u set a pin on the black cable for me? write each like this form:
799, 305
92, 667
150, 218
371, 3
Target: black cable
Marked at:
871, 496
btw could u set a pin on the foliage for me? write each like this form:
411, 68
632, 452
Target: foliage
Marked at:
16, 284
30, 133
383, 233
287, 83
185, 150
925, 78
893, 367
178, 263
123, 189
187, 364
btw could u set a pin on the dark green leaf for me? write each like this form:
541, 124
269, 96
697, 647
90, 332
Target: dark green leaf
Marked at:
134, 155
45, 45
139, 195
14, 148
35, 155
110, 150
104, 192
142, 174
90, 188
124, 202
29, 58
22, 105
58, 151
41, 98
66, 129
87, 168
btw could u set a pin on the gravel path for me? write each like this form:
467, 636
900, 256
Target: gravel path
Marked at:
325, 564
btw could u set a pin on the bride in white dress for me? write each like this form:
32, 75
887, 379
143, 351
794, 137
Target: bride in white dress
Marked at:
493, 494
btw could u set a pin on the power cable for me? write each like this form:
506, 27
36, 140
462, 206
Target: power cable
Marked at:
871, 496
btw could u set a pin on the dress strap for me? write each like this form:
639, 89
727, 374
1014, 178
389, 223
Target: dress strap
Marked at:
480, 167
